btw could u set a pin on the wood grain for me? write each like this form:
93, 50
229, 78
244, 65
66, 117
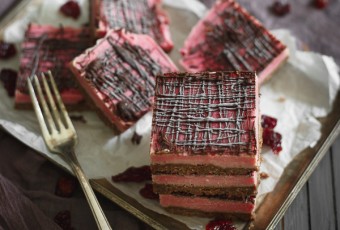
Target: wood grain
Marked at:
297, 215
322, 213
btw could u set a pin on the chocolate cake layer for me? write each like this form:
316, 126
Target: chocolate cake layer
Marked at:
205, 190
224, 215
185, 169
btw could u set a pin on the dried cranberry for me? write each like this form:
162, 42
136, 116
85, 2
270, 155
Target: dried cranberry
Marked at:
268, 122
63, 219
70, 9
7, 50
147, 192
66, 185
320, 4
134, 174
136, 138
220, 225
9, 79
272, 139
280, 9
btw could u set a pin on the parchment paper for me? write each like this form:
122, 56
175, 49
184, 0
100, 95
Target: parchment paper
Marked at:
303, 89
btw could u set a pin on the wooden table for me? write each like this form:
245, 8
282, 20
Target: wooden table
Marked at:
317, 206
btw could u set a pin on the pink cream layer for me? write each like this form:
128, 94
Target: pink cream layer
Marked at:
205, 204
207, 181
223, 161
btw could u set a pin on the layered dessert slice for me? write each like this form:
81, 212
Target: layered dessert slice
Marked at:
205, 143
118, 75
141, 17
51, 48
229, 38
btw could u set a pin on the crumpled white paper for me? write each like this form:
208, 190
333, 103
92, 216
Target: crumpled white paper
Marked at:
303, 89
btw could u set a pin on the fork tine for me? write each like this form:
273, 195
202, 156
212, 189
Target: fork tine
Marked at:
60, 102
37, 109
45, 108
53, 106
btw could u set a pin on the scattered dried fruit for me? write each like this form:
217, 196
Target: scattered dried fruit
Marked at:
63, 219
320, 4
70, 9
272, 139
280, 9
136, 138
268, 122
9, 79
133, 174
147, 192
66, 185
7, 50
220, 225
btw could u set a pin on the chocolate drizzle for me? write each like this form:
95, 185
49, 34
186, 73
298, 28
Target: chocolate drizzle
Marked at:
208, 112
50, 49
234, 42
125, 74
133, 16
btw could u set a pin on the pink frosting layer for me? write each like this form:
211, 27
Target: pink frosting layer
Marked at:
223, 161
207, 181
205, 204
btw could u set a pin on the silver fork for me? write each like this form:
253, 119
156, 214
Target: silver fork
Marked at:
61, 137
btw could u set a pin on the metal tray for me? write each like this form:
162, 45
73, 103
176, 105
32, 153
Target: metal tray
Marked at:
275, 203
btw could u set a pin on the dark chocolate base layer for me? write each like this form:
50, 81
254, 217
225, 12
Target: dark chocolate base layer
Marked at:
205, 191
231, 216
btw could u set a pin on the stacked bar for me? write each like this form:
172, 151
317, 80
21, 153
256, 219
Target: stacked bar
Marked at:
229, 38
118, 76
205, 143
140, 17
50, 48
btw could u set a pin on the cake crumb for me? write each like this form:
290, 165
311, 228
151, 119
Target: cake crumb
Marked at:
136, 138
281, 99
264, 175
79, 118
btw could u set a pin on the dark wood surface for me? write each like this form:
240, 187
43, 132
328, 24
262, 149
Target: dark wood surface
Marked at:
317, 206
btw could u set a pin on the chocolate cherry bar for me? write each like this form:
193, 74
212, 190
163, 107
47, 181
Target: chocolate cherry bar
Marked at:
140, 17
51, 48
118, 75
205, 143
229, 38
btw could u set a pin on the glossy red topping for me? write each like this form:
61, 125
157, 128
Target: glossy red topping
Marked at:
147, 192
70, 9
280, 9
7, 50
9, 79
66, 185
220, 225
134, 174
268, 122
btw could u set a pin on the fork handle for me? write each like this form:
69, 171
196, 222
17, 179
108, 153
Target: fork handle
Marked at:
97, 211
